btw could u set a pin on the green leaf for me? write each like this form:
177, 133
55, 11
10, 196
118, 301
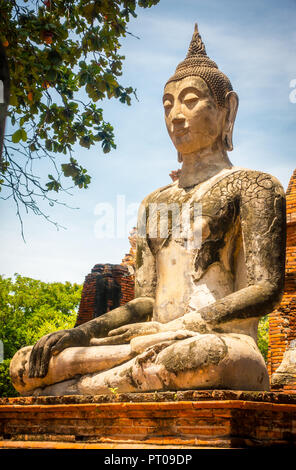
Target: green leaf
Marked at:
106, 147
85, 141
48, 144
13, 101
54, 57
53, 185
17, 136
51, 75
70, 170
24, 136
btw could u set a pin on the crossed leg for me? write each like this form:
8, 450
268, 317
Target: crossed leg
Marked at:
70, 363
226, 361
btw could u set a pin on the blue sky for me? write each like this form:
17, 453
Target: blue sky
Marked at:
253, 42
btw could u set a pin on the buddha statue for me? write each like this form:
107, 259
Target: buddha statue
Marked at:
200, 291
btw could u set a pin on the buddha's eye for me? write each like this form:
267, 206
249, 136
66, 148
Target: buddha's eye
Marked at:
167, 104
190, 99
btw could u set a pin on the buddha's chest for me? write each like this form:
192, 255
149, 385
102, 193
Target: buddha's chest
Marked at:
196, 223
192, 243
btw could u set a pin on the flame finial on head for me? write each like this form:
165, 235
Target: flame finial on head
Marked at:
196, 46
197, 63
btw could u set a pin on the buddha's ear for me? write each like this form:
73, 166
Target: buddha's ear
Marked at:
231, 104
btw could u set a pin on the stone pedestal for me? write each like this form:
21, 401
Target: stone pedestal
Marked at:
188, 419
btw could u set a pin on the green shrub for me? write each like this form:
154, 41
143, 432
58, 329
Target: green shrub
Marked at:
30, 309
263, 336
6, 387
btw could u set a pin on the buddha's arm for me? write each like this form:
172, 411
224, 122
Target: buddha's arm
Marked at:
145, 278
262, 214
141, 308
137, 310
145, 284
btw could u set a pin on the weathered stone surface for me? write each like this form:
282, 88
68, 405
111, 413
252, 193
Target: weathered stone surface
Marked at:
69, 363
177, 396
210, 263
286, 372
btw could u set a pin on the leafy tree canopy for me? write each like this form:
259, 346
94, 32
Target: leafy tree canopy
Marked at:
30, 309
59, 51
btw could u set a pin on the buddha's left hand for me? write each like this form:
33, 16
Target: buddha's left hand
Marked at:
125, 333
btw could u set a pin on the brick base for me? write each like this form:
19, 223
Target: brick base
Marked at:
193, 418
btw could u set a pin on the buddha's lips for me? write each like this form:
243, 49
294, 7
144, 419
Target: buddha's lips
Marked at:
180, 131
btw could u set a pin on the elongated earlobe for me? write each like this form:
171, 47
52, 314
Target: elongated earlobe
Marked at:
231, 102
180, 159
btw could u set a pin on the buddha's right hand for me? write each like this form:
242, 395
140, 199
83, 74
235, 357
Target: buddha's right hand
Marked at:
52, 344
125, 333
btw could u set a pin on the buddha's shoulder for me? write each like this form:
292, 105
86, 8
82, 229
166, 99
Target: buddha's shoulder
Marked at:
159, 193
231, 182
252, 180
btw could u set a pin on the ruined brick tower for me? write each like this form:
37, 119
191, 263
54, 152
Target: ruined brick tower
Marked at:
108, 286
282, 322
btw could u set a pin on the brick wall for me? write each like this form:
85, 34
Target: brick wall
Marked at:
282, 322
108, 286
191, 418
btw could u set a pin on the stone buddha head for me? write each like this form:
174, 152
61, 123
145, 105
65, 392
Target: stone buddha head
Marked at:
199, 102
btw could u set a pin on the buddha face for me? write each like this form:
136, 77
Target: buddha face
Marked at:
193, 119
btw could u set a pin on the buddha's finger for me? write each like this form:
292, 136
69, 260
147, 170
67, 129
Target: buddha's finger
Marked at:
32, 361
120, 339
37, 361
60, 345
46, 355
34, 357
183, 334
118, 331
39, 353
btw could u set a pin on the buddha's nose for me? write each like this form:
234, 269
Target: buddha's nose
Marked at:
178, 119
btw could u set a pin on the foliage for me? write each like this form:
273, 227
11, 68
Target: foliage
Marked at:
263, 336
6, 387
63, 58
30, 309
